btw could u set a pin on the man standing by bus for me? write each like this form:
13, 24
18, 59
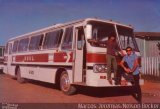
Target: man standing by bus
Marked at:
132, 67
112, 50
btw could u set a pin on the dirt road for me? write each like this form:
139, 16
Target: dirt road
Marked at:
38, 92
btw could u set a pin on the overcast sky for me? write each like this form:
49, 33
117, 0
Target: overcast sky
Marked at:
21, 16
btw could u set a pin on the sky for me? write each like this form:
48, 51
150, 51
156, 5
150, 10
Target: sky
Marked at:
18, 17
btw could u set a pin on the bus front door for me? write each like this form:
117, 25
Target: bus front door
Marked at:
79, 55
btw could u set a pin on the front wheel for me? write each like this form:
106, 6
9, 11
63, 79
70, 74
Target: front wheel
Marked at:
65, 85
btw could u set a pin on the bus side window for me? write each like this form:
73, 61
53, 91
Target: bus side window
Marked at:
10, 48
15, 46
1, 52
6, 49
35, 42
68, 39
52, 39
60, 37
23, 45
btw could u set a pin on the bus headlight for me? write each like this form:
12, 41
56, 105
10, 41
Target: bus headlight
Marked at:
99, 68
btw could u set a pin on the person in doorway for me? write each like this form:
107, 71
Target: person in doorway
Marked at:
132, 67
112, 50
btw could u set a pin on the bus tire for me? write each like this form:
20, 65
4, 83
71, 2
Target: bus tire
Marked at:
65, 85
18, 76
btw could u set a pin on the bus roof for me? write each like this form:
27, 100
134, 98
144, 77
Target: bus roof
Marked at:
67, 24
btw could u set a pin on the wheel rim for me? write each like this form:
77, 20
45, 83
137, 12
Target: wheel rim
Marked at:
65, 83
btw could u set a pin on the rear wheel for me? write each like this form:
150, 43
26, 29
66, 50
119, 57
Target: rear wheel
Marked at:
19, 78
65, 85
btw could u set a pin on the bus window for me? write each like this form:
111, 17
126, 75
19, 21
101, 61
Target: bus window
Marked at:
15, 45
95, 33
68, 38
126, 37
10, 48
1, 55
35, 42
101, 31
52, 39
23, 45
80, 39
1, 51
6, 49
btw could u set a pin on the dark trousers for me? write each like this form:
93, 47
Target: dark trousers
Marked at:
134, 79
137, 89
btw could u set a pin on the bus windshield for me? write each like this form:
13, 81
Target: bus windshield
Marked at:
101, 31
126, 37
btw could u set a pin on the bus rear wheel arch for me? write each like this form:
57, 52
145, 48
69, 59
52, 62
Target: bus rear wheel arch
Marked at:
65, 85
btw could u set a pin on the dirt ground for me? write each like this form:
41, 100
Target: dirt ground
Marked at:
38, 92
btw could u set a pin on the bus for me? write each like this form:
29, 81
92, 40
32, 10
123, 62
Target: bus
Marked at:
61, 54
1, 58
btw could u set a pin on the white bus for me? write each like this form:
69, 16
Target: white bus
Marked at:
62, 54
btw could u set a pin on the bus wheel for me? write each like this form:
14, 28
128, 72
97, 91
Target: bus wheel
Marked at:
65, 85
19, 78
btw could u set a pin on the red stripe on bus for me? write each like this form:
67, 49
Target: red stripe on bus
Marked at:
32, 58
96, 58
62, 57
